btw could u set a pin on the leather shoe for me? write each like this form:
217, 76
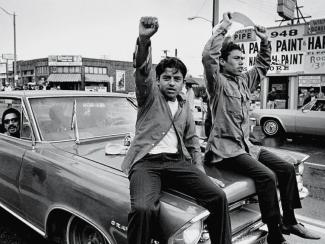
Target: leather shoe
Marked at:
299, 230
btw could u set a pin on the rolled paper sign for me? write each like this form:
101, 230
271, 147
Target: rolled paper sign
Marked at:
242, 19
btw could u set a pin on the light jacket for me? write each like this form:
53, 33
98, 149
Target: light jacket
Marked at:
229, 100
154, 117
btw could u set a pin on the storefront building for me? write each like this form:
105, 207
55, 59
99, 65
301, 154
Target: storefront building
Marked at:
298, 62
73, 72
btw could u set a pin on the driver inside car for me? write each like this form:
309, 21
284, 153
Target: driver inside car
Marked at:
11, 122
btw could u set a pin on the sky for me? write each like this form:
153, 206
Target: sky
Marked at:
107, 28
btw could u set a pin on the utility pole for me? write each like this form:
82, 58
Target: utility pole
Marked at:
215, 13
15, 56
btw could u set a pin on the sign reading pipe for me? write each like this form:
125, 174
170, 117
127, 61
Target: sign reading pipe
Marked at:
244, 35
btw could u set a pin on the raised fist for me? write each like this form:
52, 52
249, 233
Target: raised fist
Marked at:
226, 21
261, 32
148, 26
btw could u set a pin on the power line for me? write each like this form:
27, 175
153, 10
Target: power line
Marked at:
205, 1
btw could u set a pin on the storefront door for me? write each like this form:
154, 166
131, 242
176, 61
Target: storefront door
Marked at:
281, 84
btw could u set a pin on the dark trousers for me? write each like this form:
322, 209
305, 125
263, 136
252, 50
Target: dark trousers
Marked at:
146, 180
266, 172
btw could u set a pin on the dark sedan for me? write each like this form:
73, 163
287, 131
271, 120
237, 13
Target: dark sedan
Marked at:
62, 175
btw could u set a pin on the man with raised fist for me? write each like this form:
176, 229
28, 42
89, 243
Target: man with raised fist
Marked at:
165, 149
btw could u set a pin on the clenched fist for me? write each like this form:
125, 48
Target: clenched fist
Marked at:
148, 26
261, 32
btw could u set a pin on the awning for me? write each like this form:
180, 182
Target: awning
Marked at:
96, 78
64, 78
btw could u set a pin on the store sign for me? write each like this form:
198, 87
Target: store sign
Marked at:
3, 68
287, 49
65, 60
309, 80
244, 35
293, 51
286, 8
315, 54
317, 26
8, 56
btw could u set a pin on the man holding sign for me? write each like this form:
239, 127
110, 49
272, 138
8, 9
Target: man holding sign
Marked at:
229, 90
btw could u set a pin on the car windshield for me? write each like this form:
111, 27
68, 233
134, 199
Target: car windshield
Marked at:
96, 116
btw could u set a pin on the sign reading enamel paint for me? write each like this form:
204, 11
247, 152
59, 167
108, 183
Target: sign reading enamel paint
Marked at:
294, 50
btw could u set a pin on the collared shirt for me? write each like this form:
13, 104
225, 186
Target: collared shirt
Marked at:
169, 142
154, 117
229, 100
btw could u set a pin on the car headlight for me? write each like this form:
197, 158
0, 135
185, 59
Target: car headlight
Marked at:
190, 233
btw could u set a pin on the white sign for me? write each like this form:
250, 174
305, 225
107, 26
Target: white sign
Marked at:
8, 56
309, 80
3, 68
120, 80
317, 26
292, 51
65, 60
244, 35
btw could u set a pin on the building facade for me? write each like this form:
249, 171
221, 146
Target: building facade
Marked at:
298, 62
73, 72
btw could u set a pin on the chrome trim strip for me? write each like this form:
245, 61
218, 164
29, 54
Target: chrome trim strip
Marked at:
42, 233
200, 216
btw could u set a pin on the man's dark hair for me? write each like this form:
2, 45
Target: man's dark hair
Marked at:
10, 111
170, 62
227, 48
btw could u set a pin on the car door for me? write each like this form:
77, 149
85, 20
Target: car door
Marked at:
310, 119
12, 150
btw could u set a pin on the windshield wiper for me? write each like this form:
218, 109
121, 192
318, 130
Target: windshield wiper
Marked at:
74, 122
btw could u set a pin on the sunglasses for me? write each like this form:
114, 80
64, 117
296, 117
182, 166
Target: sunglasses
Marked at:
13, 120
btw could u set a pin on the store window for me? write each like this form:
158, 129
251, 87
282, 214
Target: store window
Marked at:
95, 70
310, 87
60, 70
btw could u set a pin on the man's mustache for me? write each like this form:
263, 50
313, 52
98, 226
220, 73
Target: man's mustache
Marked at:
12, 127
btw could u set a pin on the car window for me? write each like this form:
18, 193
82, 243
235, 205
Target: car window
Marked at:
319, 105
26, 129
10, 111
309, 105
95, 116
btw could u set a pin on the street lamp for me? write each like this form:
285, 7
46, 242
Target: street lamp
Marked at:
199, 17
15, 58
215, 14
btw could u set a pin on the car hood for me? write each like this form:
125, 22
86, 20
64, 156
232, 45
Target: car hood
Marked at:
237, 187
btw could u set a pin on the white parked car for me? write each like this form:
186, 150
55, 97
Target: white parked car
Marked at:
310, 119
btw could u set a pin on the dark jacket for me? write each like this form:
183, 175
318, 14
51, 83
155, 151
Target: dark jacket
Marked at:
154, 117
229, 100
